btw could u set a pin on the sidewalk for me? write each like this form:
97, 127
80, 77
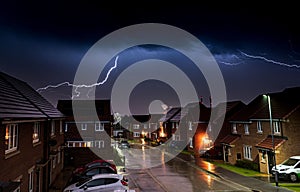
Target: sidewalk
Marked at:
249, 182
61, 180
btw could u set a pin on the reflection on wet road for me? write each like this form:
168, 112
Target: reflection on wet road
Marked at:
149, 172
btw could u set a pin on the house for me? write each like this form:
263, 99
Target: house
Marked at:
87, 132
255, 136
32, 141
220, 132
142, 126
165, 124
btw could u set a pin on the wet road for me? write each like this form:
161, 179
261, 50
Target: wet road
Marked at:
157, 170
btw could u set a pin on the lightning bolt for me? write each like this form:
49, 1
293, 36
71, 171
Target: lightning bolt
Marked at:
77, 93
269, 60
230, 64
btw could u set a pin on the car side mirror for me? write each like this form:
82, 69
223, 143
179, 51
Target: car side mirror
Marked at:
85, 187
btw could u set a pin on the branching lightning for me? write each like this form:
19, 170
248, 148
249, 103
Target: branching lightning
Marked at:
76, 87
269, 60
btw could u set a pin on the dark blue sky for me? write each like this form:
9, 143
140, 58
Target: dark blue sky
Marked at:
257, 46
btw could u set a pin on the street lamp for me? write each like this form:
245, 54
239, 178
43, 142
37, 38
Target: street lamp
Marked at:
272, 134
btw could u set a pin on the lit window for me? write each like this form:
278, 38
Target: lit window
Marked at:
11, 138
36, 132
99, 126
247, 152
234, 130
259, 127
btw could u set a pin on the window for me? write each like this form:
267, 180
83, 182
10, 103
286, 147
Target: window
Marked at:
66, 127
30, 179
234, 130
11, 138
83, 126
259, 127
247, 152
60, 126
173, 125
190, 125
136, 134
99, 126
276, 127
238, 156
136, 126
36, 132
191, 142
99, 143
246, 127
52, 128
145, 126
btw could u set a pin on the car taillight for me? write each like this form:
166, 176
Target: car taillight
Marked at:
124, 182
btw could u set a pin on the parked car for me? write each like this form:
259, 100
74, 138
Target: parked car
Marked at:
288, 169
124, 144
97, 162
90, 172
100, 182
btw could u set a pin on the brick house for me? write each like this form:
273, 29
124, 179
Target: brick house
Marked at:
232, 107
144, 126
32, 141
251, 137
88, 134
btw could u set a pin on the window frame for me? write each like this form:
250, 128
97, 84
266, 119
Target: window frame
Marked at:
14, 138
259, 127
234, 128
36, 129
99, 126
247, 149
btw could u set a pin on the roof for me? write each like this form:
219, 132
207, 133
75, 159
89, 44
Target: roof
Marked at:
267, 143
230, 139
170, 113
9, 186
282, 104
102, 106
183, 112
21, 101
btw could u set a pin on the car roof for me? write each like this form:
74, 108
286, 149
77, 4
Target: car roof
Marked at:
295, 157
107, 175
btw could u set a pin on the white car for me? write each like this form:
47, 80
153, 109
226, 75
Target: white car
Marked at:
100, 182
288, 169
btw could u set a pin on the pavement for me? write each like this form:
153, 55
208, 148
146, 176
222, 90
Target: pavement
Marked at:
252, 184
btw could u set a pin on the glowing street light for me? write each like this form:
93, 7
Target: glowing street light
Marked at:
272, 134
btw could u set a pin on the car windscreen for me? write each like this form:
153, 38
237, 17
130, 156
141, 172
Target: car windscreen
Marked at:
290, 162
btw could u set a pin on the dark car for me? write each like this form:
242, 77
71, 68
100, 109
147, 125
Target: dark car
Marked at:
97, 162
124, 144
88, 173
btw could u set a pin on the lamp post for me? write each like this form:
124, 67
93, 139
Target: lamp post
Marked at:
272, 134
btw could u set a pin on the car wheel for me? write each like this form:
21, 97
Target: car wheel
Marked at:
293, 177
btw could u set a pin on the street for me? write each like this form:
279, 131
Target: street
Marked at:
148, 171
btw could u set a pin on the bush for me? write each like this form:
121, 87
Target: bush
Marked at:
247, 164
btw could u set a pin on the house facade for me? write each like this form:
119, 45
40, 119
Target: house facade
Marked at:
263, 138
87, 133
32, 141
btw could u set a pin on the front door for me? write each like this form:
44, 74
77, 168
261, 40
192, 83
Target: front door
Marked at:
270, 160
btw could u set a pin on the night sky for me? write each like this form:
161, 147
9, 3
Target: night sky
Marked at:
256, 46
